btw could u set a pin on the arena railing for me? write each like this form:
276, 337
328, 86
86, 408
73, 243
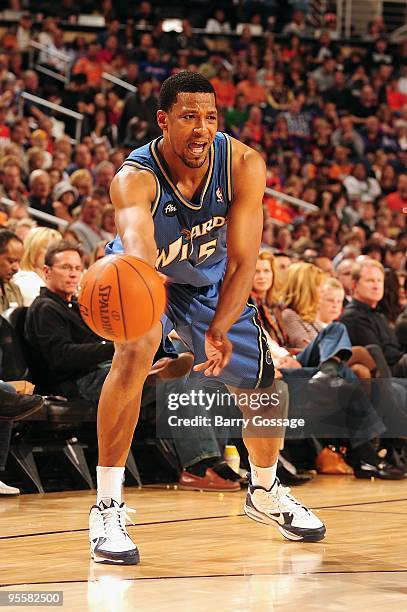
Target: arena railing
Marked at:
38, 214
106, 76
279, 195
56, 107
354, 16
53, 53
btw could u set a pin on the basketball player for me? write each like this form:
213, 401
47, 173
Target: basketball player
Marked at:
174, 199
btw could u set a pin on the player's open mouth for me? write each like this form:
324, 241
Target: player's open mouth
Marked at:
197, 148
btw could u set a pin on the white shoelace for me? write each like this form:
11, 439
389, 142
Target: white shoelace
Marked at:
281, 499
114, 521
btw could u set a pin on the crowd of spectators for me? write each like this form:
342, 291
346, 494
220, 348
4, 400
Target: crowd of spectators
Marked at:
330, 121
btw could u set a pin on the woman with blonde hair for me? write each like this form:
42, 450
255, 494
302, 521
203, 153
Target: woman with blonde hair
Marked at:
30, 277
313, 303
302, 296
82, 180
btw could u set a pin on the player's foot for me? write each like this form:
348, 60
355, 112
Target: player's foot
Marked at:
108, 537
277, 507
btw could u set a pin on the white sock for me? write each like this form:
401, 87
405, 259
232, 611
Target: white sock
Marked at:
263, 477
109, 484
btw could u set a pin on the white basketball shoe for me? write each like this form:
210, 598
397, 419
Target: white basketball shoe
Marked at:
277, 507
108, 537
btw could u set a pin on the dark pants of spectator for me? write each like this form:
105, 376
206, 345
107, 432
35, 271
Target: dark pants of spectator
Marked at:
198, 443
332, 341
399, 369
90, 385
389, 395
5, 432
344, 412
191, 444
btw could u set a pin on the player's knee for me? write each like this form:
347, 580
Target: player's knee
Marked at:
134, 358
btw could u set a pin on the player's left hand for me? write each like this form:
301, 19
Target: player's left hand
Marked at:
218, 349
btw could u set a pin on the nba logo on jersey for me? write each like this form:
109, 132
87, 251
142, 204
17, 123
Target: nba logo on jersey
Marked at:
219, 195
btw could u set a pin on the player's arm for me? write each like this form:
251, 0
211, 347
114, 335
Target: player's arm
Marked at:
132, 192
244, 229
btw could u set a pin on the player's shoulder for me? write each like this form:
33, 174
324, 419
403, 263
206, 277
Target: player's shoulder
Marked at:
135, 184
131, 175
137, 168
245, 158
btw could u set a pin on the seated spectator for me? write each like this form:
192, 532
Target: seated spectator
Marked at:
224, 88
237, 116
360, 186
324, 75
104, 173
344, 275
388, 179
390, 305
365, 323
108, 224
297, 25
82, 181
365, 105
298, 121
88, 225
82, 159
279, 96
253, 129
395, 258
339, 93
251, 90
217, 24
64, 197
40, 192
141, 104
90, 65
397, 200
306, 290
282, 262
11, 252
12, 186
320, 361
30, 277
346, 136
67, 357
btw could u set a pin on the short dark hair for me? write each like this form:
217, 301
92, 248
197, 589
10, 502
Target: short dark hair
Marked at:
60, 247
182, 82
7, 236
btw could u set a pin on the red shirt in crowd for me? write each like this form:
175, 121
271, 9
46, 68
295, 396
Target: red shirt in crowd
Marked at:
396, 202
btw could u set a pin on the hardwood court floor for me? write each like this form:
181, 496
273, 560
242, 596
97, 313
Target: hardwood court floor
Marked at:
200, 553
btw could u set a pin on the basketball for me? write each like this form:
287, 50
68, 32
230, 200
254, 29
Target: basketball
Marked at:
121, 297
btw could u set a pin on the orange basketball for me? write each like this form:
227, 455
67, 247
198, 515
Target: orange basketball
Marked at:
121, 297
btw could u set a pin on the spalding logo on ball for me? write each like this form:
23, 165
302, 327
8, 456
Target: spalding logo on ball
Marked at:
122, 297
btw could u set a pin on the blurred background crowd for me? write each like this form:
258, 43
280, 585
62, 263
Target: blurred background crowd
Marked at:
328, 115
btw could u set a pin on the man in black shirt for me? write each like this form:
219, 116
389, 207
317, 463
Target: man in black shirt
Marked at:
339, 93
364, 322
142, 105
66, 356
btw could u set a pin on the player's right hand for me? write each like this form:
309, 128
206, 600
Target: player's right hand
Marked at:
218, 349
